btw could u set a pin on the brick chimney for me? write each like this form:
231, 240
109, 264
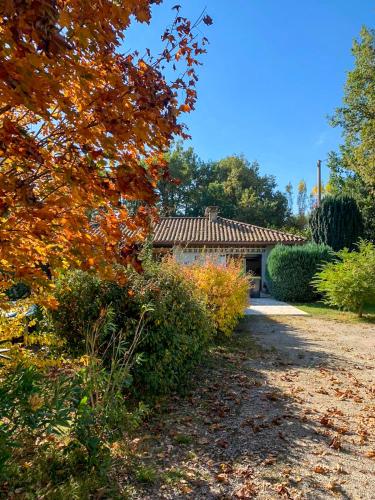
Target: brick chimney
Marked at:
211, 213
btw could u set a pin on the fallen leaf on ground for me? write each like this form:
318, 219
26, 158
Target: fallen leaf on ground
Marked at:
223, 478
335, 443
320, 469
282, 490
248, 490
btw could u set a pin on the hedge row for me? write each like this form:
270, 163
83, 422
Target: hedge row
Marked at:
290, 270
179, 324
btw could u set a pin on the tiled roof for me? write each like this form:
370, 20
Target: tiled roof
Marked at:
203, 231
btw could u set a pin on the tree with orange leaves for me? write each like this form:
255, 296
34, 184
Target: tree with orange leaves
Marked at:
83, 129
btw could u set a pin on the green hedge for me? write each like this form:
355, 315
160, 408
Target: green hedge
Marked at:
290, 270
177, 329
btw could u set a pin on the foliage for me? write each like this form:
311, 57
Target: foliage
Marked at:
83, 130
302, 198
330, 312
64, 420
82, 296
226, 291
348, 282
337, 222
349, 183
357, 115
233, 184
290, 270
177, 326
177, 331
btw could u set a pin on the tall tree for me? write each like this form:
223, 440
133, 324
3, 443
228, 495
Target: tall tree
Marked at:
302, 198
290, 196
178, 191
233, 184
337, 222
357, 115
83, 130
346, 182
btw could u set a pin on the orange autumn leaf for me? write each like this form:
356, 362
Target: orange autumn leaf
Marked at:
84, 126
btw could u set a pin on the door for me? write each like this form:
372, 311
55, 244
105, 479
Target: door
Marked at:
254, 267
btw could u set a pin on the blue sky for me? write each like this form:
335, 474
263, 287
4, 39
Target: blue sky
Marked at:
274, 71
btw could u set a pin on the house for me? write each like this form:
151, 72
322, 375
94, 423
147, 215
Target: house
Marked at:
193, 238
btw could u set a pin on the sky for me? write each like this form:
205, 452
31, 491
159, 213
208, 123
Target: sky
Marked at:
274, 72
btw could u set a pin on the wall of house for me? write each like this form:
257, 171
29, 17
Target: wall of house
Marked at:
191, 257
187, 258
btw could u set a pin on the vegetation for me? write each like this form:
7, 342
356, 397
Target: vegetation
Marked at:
357, 115
76, 385
233, 184
348, 282
290, 270
60, 419
226, 292
82, 137
177, 325
352, 168
333, 313
337, 222
345, 182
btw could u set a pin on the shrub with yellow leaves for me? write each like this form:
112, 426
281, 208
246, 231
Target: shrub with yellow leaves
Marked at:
225, 289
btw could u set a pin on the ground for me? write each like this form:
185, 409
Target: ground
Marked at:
285, 409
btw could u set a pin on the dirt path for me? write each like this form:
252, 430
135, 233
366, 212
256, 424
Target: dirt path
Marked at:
286, 409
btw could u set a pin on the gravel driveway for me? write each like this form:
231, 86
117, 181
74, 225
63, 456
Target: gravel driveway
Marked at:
286, 409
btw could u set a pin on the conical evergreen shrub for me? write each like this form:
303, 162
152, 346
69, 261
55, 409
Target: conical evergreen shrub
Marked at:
337, 223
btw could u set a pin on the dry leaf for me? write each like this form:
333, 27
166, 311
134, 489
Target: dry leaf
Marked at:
320, 469
335, 443
248, 490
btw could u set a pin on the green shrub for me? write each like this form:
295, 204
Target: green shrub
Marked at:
177, 331
82, 296
290, 270
177, 328
337, 222
349, 281
64, 420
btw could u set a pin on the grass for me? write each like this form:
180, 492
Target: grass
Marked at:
183, 439
146, 475
327, 312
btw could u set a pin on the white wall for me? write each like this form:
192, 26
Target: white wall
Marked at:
186, 258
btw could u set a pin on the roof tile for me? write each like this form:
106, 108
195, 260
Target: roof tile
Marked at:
201, 230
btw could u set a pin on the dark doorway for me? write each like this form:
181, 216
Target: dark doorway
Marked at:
254, 266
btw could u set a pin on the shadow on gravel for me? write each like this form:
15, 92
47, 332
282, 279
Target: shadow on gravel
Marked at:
282, 340
233, 420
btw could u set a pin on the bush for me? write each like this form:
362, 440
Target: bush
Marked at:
177, 328
349, 282
290, 270
63, 421
225, 289
337, 222
81, 297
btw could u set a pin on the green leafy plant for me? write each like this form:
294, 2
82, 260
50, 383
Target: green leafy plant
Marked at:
348, 282
176, 330
290, 270
69, 416
337, 222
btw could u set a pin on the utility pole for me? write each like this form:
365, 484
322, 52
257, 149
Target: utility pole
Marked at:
319, 165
